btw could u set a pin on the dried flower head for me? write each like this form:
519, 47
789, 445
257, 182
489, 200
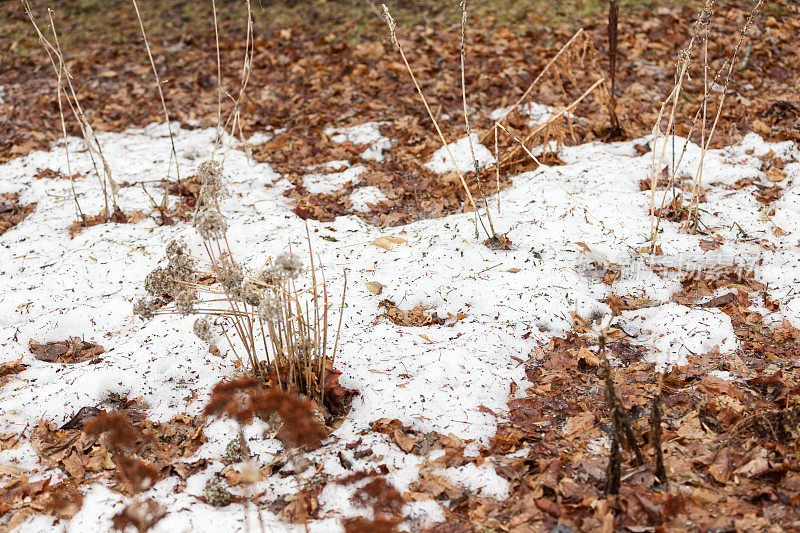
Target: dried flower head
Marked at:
230, 276
159, 283
269, 309
180, 264
210, 224
249, 295
210, 175
236, 451
185, 300
202, 328
144, 308
269, 276
288, 265
176, 247
216, 491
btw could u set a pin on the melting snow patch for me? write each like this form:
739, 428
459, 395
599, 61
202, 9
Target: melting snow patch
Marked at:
479, 479
536, 113
367, 133
328, 183
441, 163
674, 331
364, 196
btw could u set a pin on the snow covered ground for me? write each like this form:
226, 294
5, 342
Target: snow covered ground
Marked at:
435, 378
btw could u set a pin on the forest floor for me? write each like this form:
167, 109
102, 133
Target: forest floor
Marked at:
481, 392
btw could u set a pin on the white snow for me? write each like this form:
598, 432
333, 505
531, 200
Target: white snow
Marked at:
674, 331
433, 378
328, 183
537, 113
441, 162
364, 196
481, 480
366, 133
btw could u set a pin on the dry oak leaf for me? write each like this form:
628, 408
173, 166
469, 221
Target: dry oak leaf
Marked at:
374, 287
388, 242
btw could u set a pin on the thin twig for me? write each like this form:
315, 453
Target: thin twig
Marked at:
161, 96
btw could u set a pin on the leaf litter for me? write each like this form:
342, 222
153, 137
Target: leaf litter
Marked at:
468, 401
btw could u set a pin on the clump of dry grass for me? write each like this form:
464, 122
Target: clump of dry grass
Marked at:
698, 41
577, 53
277, 330
66, 88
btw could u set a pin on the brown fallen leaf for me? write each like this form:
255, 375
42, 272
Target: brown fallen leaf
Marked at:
72, 350
405, 442
416, 317
374, 287
388, 242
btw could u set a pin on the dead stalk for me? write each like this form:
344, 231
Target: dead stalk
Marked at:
541, 74
234, 119
551, 120
655, 433
463, 55
107, 183
393, 35
173, 154
60, 89
219, 78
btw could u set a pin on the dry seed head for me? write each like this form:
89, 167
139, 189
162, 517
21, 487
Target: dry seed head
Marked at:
231, 277
176, 247
249, 295
269, 276
210, 224
144, 308
236, 451
390, 22
159, 283
288, 265
184, 301
202, 328
210, 175
216, 492
269, 309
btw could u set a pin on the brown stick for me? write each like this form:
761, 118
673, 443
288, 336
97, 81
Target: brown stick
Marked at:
620, 427
655, 433
613, 30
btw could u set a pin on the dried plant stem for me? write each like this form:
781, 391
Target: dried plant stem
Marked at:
60, 71
721, 103
392, 31
341, 315
682, 67
234, 119
173, 154
507, 159
655, 433
541, 74
497, 167
219, 78
463, 55
613, 30
93, 145
621, 428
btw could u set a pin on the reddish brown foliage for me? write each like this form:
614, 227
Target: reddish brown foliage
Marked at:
11, 212
117, 426
140, 515
241, 399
